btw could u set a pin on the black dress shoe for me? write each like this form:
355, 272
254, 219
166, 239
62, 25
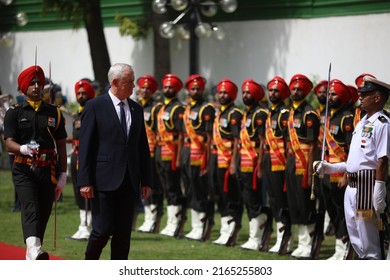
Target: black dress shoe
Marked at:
43, 256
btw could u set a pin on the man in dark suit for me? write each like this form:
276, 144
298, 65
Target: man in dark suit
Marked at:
114, 163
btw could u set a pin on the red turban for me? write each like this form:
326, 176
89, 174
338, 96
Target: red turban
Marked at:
149, 81
354, 92
341, 90
302, 82
281, 85
359, 80
322, 83
195, 80
28, 74
230, 88
86, 86
254, 89
173, 81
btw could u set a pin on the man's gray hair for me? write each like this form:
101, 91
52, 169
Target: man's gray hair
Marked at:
116, 71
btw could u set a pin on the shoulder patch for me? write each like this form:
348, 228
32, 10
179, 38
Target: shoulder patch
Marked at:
382, 119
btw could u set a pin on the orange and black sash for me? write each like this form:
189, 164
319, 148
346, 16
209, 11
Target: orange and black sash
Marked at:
301, 151
336, 153
278, 159
198, 152
357, 117
224, 150
248, 153
168, 149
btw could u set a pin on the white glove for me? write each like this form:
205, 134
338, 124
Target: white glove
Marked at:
379, 196
324, 167
60, 184
26, 150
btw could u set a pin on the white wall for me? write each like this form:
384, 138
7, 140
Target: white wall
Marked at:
255, 49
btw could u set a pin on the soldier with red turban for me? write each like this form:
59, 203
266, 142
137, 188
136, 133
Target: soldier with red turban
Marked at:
338, 136
35, 133
302, 143
153, 207
252, 137
198, 122
274, 160
168, 155
84, 91
227, 125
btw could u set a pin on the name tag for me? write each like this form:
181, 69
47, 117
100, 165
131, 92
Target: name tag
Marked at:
166, 116
297, 123
147, 116
193, 116
223, 122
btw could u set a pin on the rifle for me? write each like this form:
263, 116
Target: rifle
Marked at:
383, 227
318, 234
267, 226
287, 233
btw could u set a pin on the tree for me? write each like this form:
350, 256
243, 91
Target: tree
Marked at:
89, 13
139, 29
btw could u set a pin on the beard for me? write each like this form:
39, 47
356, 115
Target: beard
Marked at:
273, 99
248, 102
169, 94
224, 101
196, 97
322, 99
335, 104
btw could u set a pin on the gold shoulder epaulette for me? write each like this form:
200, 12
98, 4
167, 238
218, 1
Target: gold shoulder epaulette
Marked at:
382, 119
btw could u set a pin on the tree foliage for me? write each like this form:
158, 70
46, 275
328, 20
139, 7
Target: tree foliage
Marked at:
76, 10
138, 29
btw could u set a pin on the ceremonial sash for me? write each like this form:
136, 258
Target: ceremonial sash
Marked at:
336, 154
278, 160
301, 151
152, 139
321, 136
357, 116
224, 151
248, 154
168, 149
152, 136
198, 153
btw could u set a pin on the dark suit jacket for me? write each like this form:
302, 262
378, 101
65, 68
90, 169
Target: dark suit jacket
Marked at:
104, 151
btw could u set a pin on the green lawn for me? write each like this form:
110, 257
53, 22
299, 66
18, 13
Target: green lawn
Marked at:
143, 246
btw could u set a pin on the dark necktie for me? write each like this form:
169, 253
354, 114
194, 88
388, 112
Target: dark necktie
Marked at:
123, 118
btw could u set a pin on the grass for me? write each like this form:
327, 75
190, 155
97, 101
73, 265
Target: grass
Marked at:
143, 246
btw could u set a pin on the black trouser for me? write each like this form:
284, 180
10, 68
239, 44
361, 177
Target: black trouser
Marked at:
112, 215
170, 180
334, 204
231, 200
200, 190
157, 196
253, 199
36, 194
213, 181
300, 205
80, 201
275, 180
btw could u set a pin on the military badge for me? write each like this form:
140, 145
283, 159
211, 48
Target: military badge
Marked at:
223, 122
51, 121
